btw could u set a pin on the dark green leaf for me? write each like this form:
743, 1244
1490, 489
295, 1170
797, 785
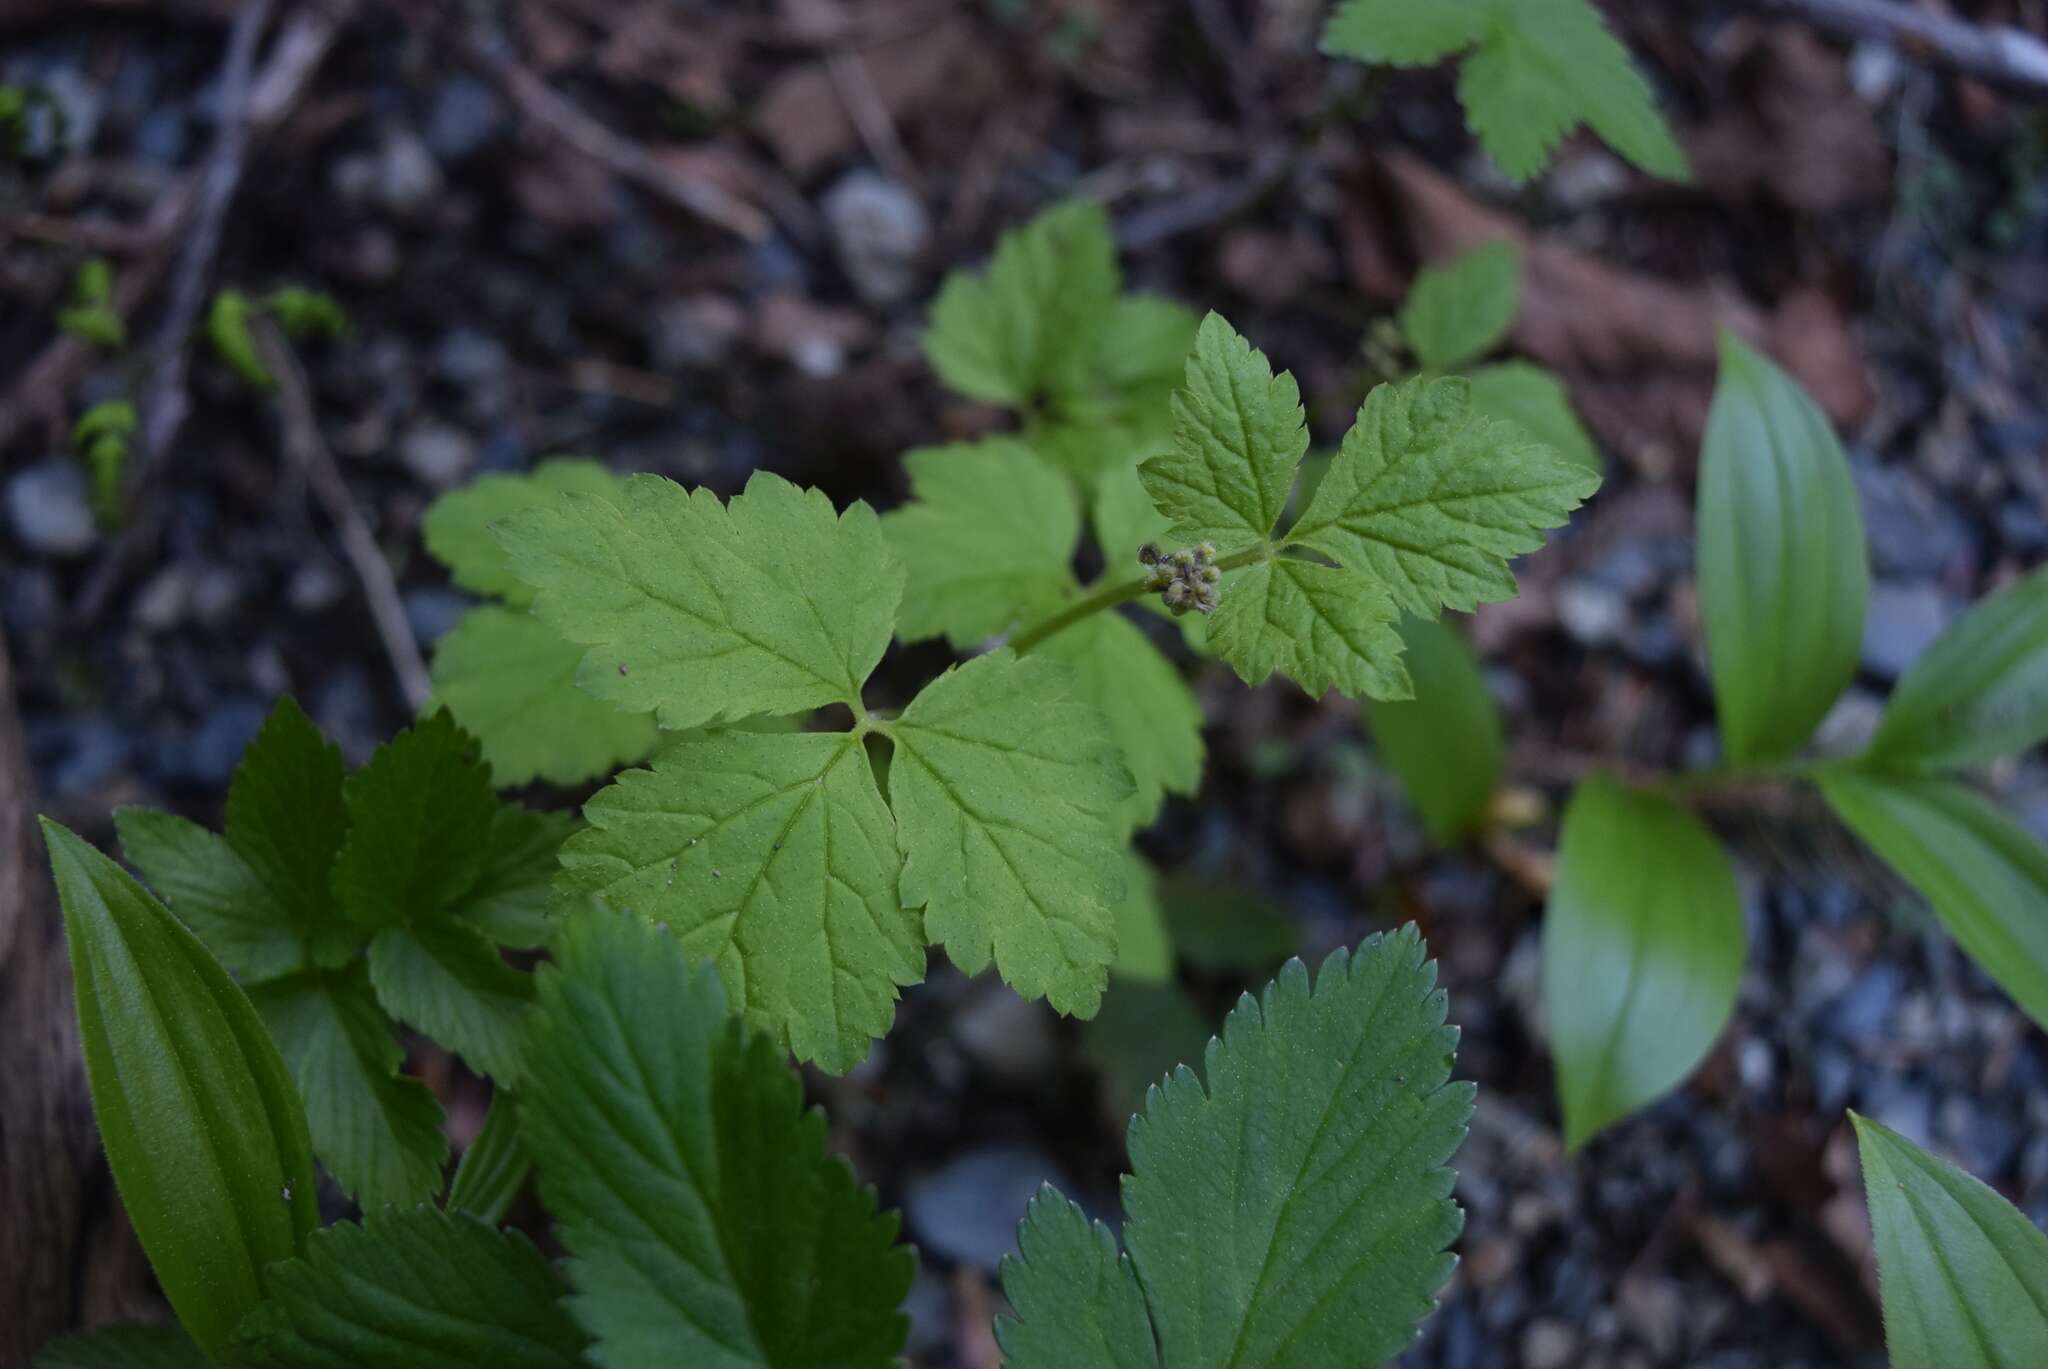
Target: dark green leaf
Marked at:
1459, 311
1225, 927
1535, 401
202, 1126
124, 1347
1074, 1299
1142, 1032
413, 1289
1445, 744
1980, 692
449, 981
706, 1223
1643, 944
1782, 578
1985, 876
509, 904
495, 1167
420, 818
1964, 1274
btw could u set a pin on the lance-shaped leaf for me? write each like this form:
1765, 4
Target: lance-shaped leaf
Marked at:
413, 1289
774, 858
378, 1132
1028, 325
706, 611
1963, 1273
202, 1126
1445, 744
705, 1222
1238, 434
510, 680
1459, 311
1324, 627
1009, 794
1642, 951
1432, 499
1152, 715
1980, 692
1296, 1211
124, 1347
987, 540
457, 527
258, 895
1781, 567
1985, 876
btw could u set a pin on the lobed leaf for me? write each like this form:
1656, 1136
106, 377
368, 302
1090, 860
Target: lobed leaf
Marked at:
457, 526
448, 980
705, 1222
1404, 32
420, 816
1153, 717
1074, 1300
1009, 795
1643, 943
1144, 954
1534, 400
1979, 692
1324, 627
510, 900
705, 611
1459, 311
775, 859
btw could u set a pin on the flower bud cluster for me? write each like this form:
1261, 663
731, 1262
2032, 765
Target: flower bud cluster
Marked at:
1185, 579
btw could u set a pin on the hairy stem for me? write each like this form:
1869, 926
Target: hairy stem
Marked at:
1107, 595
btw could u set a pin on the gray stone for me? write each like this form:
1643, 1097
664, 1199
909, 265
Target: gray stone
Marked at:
968, 1209
314, 588
880, 231
464, 118
696, 332
1009, 1036
1902, 621
161, 604
432, 612
1912, 533
49, 509
1593, 613
1549, 1343
437, 455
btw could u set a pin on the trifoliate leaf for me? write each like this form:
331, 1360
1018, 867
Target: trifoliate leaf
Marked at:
1535, 401
1964, 1274
1238, 433
124, 1347
1296, 1212
457, 527
412, 1289
1009, 796
987, 540
705, 611
1074, 1299
1324, 627
1404, 32
1028, 326
774, 858
1431, 499
202, 1127
420, 816
706, 1224
509, 903
510, 681
1979, 692
448, 980
377, 1131
1143, 953
258, 896
1153, 716
1461, 310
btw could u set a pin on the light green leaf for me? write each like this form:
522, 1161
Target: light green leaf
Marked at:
1028, 326
1458, 312
378, 1132
1141, 359
447, 980
124, 1347
1009, 796
1238, 433
1323, 627
1782, 578
1125, 519
1963, 1273
774, 858
1445, 744
1405, 32
457, 527
987, 540
1535, 401
1432, 499
1985, 876
510, 680
420, 816
509, 903
258, 896
201, 1124
1296, 1212
710, 612
1643, 945
413, 1289
1153, 716
494, 1167
227, 328
1143, 953
706, 1224
1980, 692
1074, 1300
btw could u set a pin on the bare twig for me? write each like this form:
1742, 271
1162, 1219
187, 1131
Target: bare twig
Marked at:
309, 451
1995, 53
538, 102
1212, 204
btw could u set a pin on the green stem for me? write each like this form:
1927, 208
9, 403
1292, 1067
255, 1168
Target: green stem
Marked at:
1729, 776
1106, 595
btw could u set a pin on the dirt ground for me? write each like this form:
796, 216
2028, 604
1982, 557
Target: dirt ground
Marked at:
699, 238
